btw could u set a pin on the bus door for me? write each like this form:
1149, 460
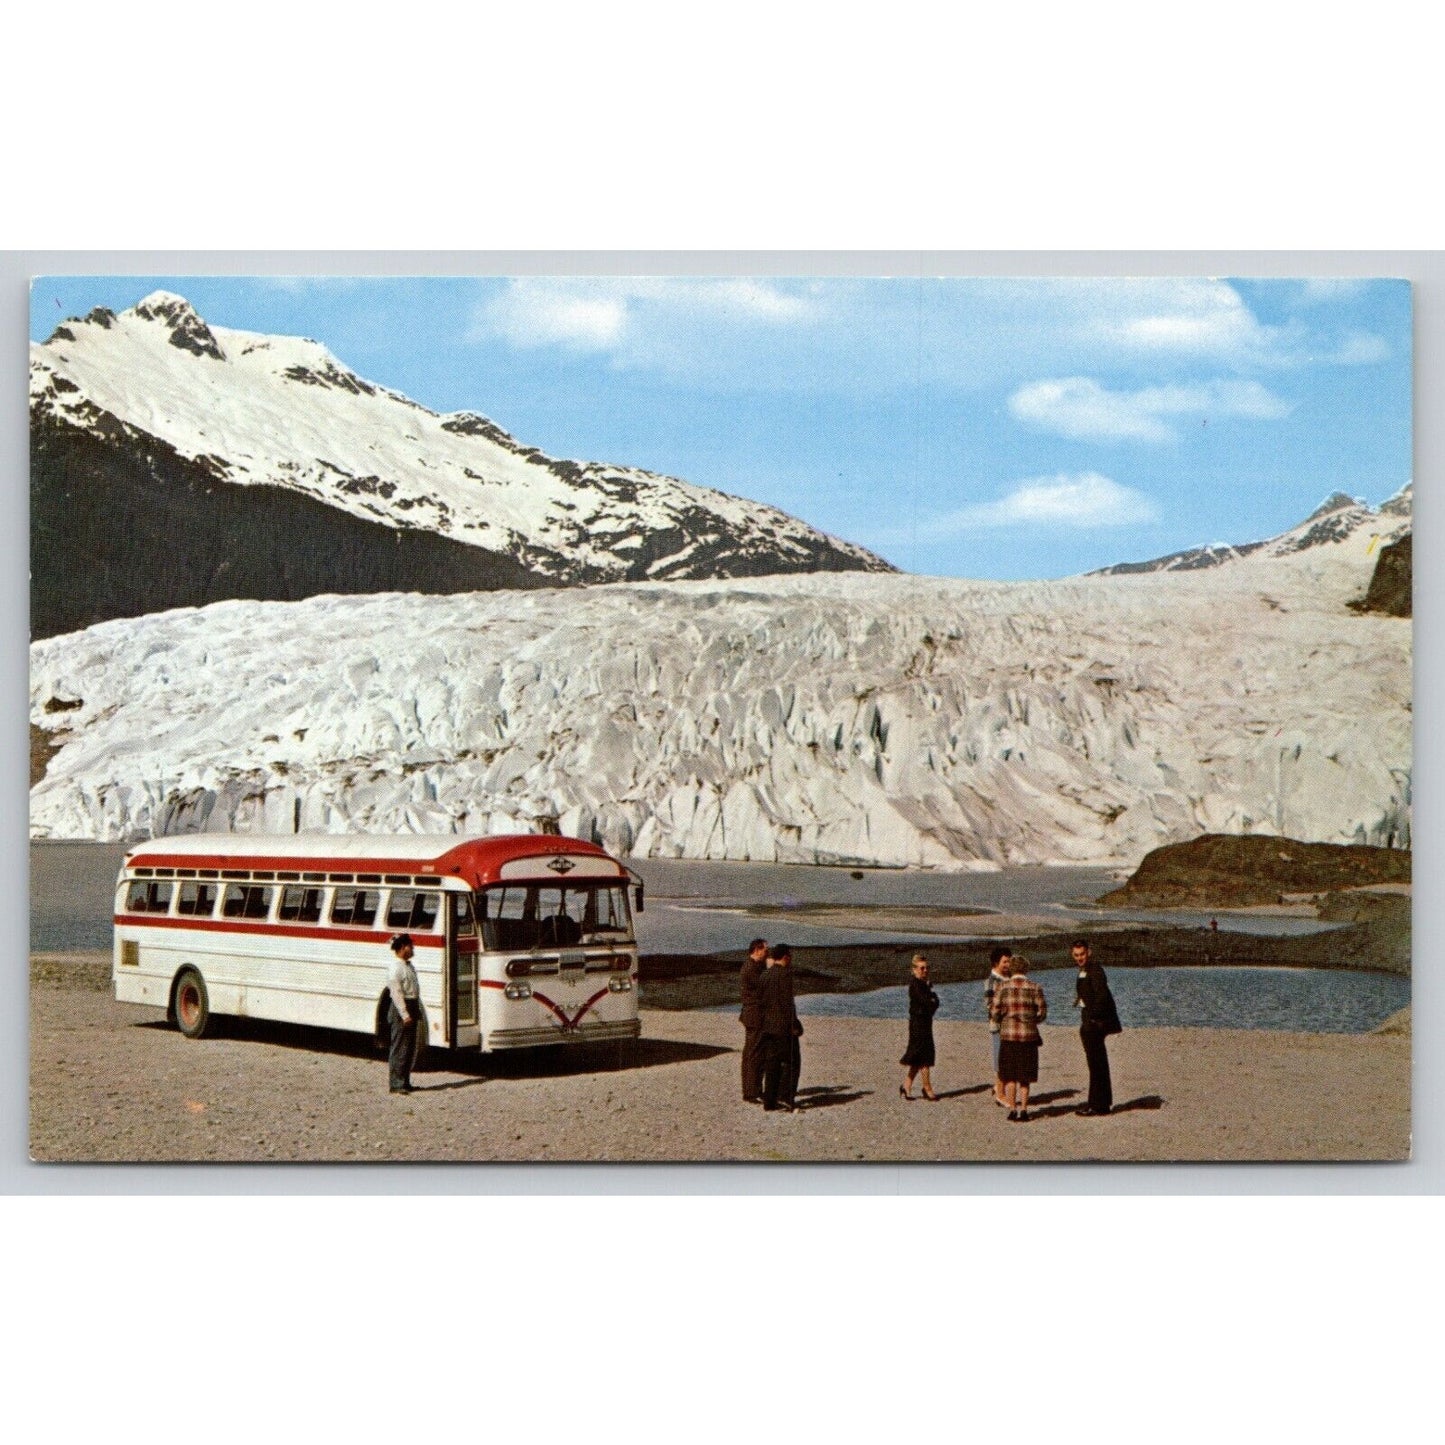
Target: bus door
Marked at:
461, 972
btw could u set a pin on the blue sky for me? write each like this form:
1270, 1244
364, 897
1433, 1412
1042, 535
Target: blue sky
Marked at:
991, 428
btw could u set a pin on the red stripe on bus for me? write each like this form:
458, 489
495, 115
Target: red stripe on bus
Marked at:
271, 930
561, 1012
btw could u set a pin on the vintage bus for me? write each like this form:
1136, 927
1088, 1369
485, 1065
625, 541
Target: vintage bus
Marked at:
520, 941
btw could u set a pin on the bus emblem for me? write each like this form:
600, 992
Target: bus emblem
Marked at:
561, 865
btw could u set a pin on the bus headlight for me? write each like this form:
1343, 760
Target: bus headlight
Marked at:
619, 985
518, 990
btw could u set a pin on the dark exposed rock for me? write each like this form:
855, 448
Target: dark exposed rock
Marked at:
472, 424
122, 525
332, 376
1221, 871
1335, 502
43, 746
187, 330
1333, 526
101, 316
372, 486
1402, 504
1391, 585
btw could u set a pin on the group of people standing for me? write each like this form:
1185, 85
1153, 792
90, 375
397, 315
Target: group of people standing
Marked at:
1014, 1003
772, 1047
1016, 1006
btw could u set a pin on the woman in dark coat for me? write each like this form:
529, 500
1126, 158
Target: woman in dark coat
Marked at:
918, 1056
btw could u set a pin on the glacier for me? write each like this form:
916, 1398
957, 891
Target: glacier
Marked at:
844, 718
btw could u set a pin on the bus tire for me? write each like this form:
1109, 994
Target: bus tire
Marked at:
191, 1004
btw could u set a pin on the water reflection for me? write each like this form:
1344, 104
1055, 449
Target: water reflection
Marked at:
1306, 1000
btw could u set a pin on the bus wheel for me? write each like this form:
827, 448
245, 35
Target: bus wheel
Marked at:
192, 1005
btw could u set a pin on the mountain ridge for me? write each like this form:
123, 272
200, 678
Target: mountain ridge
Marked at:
142, 414
1336, 519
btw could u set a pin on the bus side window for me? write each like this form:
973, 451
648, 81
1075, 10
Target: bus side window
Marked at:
356, 906
246, 901
142, 896
410, 909
300, 904
197, 899
400, 907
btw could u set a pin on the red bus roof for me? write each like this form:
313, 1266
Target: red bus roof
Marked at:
477, 861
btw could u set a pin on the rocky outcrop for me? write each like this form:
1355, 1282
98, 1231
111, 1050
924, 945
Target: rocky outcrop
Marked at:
1231, 872
1391, 587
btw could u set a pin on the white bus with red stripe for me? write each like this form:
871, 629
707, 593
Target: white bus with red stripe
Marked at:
520, 941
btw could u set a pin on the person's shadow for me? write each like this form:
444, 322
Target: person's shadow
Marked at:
1144, 1101
964, 1093
826, 1096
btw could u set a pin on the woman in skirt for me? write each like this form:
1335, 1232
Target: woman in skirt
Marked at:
1019, 1007
918, 1056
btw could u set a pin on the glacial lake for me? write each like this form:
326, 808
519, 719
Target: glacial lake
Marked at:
702, 907
1303, 1000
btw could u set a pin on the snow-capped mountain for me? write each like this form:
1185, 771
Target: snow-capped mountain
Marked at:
1337, 518
286, 474
833, 719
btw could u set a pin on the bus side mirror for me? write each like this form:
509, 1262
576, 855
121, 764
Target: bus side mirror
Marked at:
637, 894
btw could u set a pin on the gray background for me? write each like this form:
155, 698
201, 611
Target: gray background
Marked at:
1424, 1174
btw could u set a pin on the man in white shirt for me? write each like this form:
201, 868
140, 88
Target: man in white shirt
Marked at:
401, 984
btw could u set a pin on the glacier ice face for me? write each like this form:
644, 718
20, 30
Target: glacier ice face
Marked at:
842, 718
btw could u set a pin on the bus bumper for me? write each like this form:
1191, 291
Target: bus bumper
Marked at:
556, 1034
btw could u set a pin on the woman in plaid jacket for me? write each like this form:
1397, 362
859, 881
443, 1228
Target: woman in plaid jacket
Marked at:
1018, 1007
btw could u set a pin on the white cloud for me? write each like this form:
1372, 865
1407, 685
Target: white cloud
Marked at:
1330, 290
1360, 348
548, 316
1187, 317
624, 315
1078, 406
1082, 500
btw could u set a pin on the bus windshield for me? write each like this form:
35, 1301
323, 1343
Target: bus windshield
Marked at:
554, 915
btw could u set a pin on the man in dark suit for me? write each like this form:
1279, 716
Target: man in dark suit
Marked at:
1098, 1018
754, 966
781, 1030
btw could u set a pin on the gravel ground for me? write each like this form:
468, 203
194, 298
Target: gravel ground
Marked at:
112, 1082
